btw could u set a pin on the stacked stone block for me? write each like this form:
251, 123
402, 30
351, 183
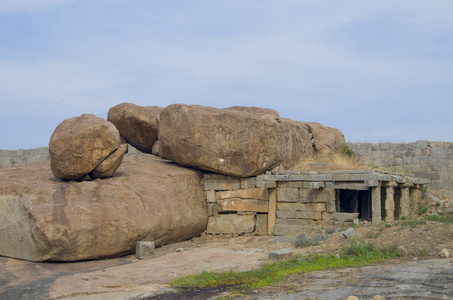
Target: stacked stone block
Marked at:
11, 158
237, 205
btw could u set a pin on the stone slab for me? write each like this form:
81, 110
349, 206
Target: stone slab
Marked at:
325, 177
280, 254
258, 193
236, 204
287, 195
299, 215
231, 223
222, 184
306, 207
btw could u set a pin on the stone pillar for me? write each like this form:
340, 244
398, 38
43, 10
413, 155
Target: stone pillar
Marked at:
405, 200
390, 201
272, 214
415, 199
376, 205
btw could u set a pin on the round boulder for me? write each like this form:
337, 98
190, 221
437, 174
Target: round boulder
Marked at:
78, 145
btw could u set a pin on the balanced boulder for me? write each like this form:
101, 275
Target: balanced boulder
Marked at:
137, 124
78, 145
148, 199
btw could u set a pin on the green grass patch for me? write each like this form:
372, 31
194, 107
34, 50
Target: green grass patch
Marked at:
446, 219
411, 222
356, 254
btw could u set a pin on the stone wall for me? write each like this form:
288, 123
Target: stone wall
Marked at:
424, 159
11, 158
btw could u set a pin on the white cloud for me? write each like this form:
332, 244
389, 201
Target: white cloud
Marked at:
14, 6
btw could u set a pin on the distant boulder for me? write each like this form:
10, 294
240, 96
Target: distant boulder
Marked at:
137, 124
78, 145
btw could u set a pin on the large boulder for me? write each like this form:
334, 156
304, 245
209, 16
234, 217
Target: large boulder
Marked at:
240, 141
148, 199
78, 145
137, 124
228, 141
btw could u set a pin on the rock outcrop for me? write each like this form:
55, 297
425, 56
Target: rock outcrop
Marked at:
137, 124
43, 219
78, 145
240, 141
327, 140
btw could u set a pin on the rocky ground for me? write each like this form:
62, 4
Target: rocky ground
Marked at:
130, 278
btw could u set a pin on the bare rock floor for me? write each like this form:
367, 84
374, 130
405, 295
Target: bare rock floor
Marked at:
420, 275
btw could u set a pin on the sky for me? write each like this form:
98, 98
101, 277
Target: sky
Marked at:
380, 71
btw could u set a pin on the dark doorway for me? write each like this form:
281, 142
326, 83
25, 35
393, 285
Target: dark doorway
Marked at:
354, 201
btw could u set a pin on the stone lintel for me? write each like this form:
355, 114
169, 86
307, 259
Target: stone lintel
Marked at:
324, 177
350, 186
362, 177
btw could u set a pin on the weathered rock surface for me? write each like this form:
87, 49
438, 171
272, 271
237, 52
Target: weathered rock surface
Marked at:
80, 144
237, 141
110, 164
43, 219
327, 140
137, 124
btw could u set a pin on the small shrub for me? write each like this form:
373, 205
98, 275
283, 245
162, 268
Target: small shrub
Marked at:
388, 225
437, 204
347, 151
422, 209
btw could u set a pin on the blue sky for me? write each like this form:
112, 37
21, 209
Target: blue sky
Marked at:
376, 70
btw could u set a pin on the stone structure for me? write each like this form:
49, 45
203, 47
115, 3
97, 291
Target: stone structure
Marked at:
12, 158
282, 202
431, 160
